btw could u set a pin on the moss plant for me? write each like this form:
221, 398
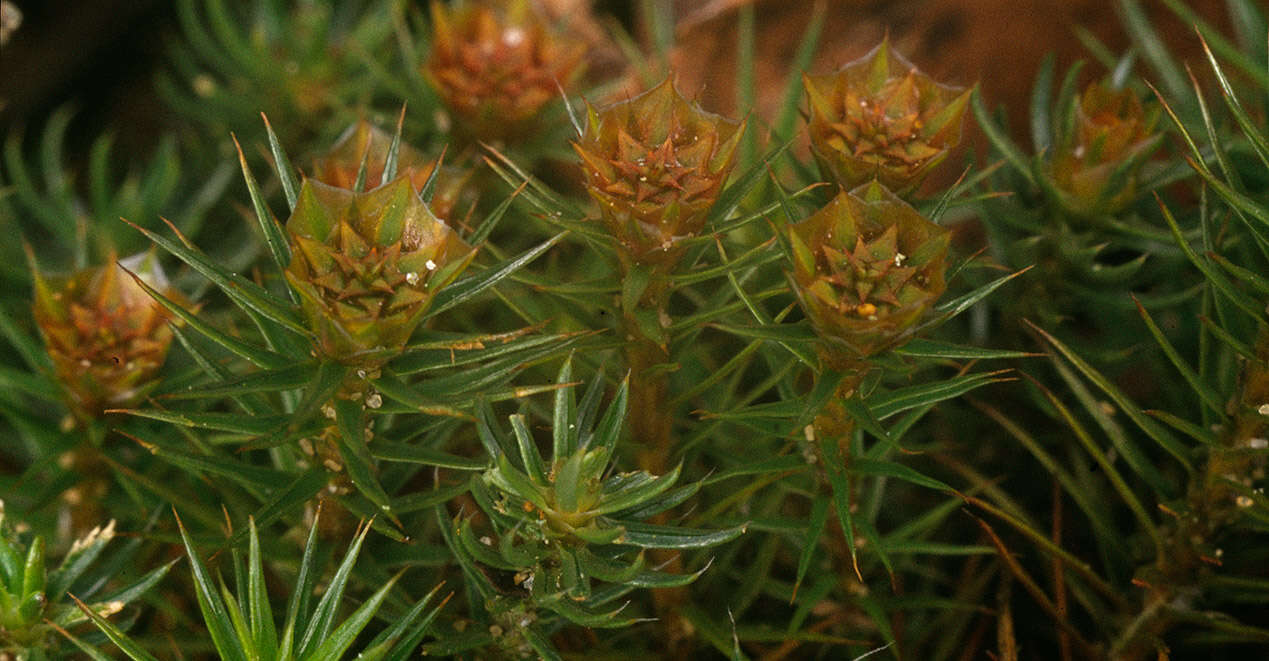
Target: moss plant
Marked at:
653, 383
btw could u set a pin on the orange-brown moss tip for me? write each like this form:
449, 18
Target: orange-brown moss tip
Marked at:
866, 267
367, 266
365, 141
106, 336
655, 164
1096, 162
496, 64
881, 118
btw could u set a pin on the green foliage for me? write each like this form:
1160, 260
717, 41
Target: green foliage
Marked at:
37, 602
832, 434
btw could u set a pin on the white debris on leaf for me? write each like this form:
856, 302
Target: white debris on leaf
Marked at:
98, 534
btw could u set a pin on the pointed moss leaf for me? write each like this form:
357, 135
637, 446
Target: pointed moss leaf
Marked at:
426, 499
874, 540
408, 630
510, 479
395, 389
258, 356
282, 164
350, 418
414, 454
833, 465
653, 536
1204, 391
125, 644
73, 565
896, 401
126, 594
668, 500
264, 635
297, 607
468, 288
588, 411
637, 492
807, 45
612, 570
609, 428
565, 606
535, 192
810, 539
529, 455
230, 422
1041, 106
923, 348
660, 579
563, 413
245, 293
949, 309
998, 139
287, 378
285, 499
761, 467
756, 256
491, 220
569, 481
334, 646
1253, 132
1153, 430
800, 332
597, 536
243, 473
32, 352
1217, 279
480, 551
861, 412
320, 624
254, 404
730, 197
215, 613
878, 467
1204, 436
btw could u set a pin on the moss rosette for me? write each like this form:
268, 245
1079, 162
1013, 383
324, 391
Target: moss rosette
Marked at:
106, 336
866, 268
880, 118
367, 266
497, 69
655, 164
1096, 167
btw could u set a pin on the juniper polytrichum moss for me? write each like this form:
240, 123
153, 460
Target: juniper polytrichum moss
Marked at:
499, 353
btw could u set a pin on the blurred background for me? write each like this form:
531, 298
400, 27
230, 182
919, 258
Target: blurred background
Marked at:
102, 56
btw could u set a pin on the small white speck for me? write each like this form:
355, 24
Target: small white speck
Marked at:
486, 541
412, 277
374, 401
642, 178
1263, 410
431, 265
361, 374
1257, 443
328, 411
898, 258
513, 36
